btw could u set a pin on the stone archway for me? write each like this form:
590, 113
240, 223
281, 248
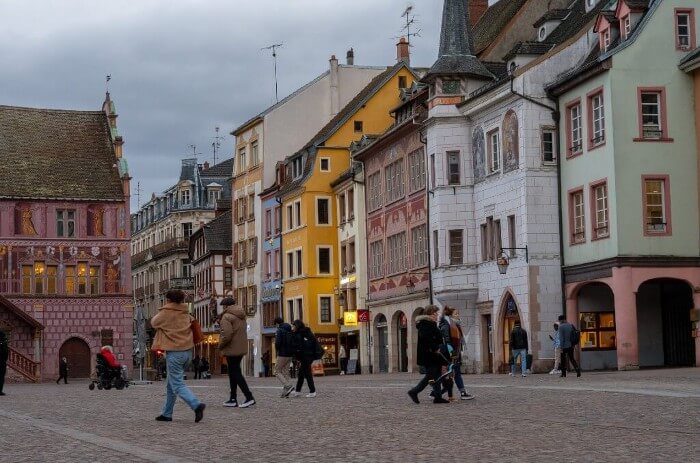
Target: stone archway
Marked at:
508, 314
400, 341
79, 357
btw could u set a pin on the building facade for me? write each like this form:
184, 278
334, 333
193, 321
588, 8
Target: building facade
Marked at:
629, 190
64, 239
261, 143
161, 230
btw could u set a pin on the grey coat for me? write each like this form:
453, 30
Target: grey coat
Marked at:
565, 330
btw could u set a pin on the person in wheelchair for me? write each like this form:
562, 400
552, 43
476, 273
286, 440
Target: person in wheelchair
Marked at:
110, 372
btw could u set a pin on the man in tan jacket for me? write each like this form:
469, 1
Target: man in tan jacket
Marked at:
174, 335
233, 343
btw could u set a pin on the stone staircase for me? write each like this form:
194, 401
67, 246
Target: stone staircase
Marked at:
26, 367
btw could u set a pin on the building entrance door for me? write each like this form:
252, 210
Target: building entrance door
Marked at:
382, 338
511, 316
77, 353
402, 330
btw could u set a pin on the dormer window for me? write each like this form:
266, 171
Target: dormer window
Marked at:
296, 167
451, 87
606, 40
626, 26
542, 33
512, 67
185, 197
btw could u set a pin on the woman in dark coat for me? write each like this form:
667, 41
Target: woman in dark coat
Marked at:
306, 346
429, 342
63, 371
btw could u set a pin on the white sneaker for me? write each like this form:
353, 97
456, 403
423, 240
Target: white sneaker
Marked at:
231, 403
247, 403
294, 394
310, 395
552, 372
510, 374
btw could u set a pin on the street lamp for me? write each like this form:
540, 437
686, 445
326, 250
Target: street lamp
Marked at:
503, 262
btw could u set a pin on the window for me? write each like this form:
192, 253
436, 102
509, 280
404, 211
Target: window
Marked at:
290, 309
596, 119
251, 206
290, 264
511, 235
599, 200
453, 173
496, 240
456, 247
82, 278
375, 191
70, 280
294, 263
299, 263
300, 308
343, 259
39, 273
51, 279
297, 167
187, 229
322, 211
278, 219
432, 171
268, 223
254, 155
94, 280
214, 195
324, 261
27, 279
65, 223
685, 29
324, 304
574, 132
290, 216
242, 164
606, 40
341, 208
393, 174
626, 26
597, 330
656, 206
253, 251
416, 162
450, 87
351, 256
577, 220
419, 246
396, 249
228, 277
357, 125
494, 154
652, 114
351, 204
294, 215
325, 164
484, 242
542, 33
297, 213
549, 146
376, 255
436, 249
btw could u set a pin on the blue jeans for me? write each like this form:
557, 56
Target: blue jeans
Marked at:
522, 353
176, 361
458, 376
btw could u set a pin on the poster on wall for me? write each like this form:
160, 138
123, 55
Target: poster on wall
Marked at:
329, 342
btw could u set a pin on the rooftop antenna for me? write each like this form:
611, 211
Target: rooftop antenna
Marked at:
274, 48
410, 21
108, 77
194, 150
216, 144
138, 195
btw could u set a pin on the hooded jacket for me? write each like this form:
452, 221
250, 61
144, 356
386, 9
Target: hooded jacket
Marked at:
284, 341
429, 342
233, 341
173, 329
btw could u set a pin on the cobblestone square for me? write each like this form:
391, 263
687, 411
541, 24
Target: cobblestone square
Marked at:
637, 416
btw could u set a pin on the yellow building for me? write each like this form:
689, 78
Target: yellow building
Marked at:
309, 213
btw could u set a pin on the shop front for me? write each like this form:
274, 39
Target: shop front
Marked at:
330, 361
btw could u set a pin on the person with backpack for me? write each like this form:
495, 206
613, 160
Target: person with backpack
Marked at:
428, 354
233, 344
451, 330
284, 345
307, 350
569, 338
518, 348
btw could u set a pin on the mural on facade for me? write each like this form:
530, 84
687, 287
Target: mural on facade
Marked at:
478, 153
27, 224
511, 153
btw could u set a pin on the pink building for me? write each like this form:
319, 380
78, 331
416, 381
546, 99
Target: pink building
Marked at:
64, 239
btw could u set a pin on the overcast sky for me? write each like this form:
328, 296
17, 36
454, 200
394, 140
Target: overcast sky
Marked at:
181, 68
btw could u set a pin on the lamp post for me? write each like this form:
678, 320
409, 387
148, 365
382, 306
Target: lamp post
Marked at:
503, 262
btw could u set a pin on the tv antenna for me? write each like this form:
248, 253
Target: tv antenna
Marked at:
274, 48
216, 144
138, 195
194, 150
410, 21
108, 77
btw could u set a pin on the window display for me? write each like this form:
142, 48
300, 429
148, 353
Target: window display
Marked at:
597, 330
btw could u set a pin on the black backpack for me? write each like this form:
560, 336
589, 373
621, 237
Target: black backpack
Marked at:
575, 336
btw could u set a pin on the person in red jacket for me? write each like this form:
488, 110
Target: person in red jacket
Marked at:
108, 353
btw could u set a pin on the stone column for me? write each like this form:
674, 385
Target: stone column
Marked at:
626, 319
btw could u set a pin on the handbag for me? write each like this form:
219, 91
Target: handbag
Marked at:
197, 335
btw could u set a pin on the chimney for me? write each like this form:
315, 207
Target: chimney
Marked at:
350, 57
403, 51
335, 96
476, 9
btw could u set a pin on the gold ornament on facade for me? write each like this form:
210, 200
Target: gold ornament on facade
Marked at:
98, 222
27, 224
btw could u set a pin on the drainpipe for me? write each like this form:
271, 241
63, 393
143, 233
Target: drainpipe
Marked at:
282, 307
424, 141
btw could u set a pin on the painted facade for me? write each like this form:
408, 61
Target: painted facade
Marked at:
629, 189
64, 257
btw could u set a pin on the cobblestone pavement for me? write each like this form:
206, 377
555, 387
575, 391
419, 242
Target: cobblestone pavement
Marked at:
642, 416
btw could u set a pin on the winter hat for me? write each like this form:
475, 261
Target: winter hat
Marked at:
228, 301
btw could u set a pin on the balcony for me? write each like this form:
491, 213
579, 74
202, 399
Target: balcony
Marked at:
184, 283
138, 294
166, 247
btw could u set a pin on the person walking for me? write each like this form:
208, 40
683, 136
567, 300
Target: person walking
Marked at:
556, 343
196, 363
284, 346
62, 371
307, 351
266, 358
428, 348
173, 325
233, 344
518, 348
343, 355
4, 354
451, 329
566, 341
204, 368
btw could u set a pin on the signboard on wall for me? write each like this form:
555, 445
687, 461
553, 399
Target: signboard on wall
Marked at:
363, 315
350, 318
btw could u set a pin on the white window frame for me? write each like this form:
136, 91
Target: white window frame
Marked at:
494, 150
576, 128
376, 267
579, 212
329, 212
688, 35
658, 127
598, 119
318, 259
320, 164
604, 211
419, 246
553, 142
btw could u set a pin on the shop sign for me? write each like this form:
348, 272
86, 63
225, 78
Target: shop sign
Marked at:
350, 318
363, 315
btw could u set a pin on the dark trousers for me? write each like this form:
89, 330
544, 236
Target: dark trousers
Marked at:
236, 379
3, 370
344, 365
305, 373
197, 372
431, 373
62, 376
568, 352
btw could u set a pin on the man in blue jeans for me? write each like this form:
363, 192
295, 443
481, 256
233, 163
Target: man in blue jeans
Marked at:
518, 348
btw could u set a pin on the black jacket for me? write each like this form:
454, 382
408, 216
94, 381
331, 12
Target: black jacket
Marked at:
63, 368
305, 345
429, 342
284, 341
4, 349
518, 338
